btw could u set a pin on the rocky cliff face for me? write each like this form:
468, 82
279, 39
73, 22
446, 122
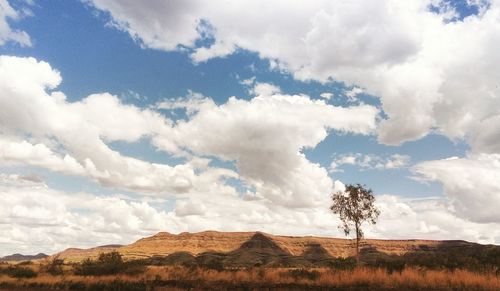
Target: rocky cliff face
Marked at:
239, 246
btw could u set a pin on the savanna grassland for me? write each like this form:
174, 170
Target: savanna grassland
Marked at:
185, 278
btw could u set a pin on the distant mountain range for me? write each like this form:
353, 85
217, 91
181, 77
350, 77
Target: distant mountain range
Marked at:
19, 257
237, 249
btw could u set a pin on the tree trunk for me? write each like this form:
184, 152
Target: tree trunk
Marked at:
357, 244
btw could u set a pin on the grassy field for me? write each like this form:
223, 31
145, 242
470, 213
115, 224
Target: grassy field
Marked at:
183, 278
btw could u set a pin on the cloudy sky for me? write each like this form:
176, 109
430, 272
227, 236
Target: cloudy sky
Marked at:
122, 118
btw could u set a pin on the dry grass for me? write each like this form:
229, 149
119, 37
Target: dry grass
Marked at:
426, 279
408, 279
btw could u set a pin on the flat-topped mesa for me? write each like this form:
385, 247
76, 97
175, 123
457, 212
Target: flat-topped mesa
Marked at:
164, 244
194, 243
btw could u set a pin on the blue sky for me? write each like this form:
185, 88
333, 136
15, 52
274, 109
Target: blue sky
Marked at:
403, 119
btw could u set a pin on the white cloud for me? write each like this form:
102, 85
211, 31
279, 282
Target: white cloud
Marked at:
191, 103
264, 89
7, 13
471, 184
397, 161
265, 137
353, 93
81, 130
23, 152
160, 24
248, 82
259, 88
429, 72
35, 218
189, 207
427, 219
369, 161
218, 49
485, 136
327, 95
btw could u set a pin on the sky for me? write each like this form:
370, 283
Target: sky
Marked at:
122, 118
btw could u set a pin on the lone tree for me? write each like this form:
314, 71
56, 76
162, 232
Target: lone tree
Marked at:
355, 206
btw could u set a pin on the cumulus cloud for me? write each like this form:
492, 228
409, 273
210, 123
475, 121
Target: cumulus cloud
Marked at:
471, 184
7, 13
265, 137
327, 95
369, 161
34, 217
81, 129
264, 89
429, 218
397, 161
23, 152
431, 68
353, 93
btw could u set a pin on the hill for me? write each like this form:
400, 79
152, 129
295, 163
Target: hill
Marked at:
257, 248
20, 257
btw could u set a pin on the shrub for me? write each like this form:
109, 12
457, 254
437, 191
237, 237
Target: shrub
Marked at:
133, 268
86, 268
106, 264
211, 261
109, 264
54, 266
390, 265
19, 272
343, 263
304, 274
492, 258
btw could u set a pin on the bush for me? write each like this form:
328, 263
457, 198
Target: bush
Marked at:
211, 261
343, 263
54, 266
492, 258
85, 268
19, 272
391, 265
133, 268
445, 260
304, 274
108, 264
